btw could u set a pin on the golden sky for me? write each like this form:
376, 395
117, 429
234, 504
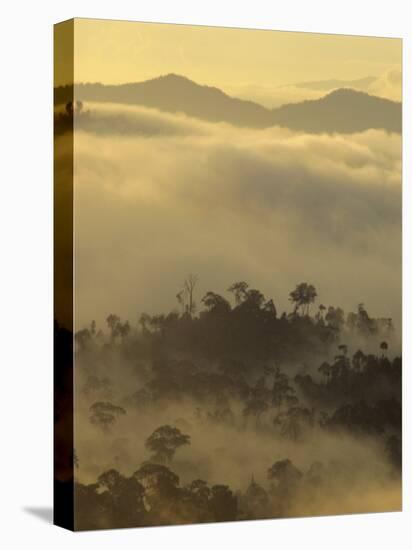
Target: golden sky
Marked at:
118, 51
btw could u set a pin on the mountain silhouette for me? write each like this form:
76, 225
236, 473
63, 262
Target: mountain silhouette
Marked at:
343, 110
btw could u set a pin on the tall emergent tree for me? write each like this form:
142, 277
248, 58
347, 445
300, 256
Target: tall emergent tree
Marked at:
302, 296
185, 296
164, 442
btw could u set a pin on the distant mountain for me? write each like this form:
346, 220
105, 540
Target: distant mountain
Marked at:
343, 110
173, 93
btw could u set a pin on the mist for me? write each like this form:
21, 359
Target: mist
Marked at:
277, 373
343, 472
225, 203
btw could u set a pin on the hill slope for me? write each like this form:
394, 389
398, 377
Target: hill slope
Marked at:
343, 111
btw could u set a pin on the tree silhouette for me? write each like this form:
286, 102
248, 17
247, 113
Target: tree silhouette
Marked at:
255, 502
302, 296
82, 338
215, 303
124, 502
161, 489
335, 318
218, 367
358, 361
112, 322
239, 291
104, 414
164, 442
282, 391
186, 295
384, 348
320, 316
156, 476
326, 370
286, 476
223, 503
293, 421
200, 491
117, 328
257, 403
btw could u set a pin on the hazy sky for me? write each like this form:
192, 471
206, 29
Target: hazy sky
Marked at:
118, 52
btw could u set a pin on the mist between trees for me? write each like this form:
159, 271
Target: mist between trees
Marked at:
226, 409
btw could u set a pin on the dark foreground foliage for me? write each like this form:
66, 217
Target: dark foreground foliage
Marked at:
293, 375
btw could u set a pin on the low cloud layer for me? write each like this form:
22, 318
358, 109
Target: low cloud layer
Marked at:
158, 196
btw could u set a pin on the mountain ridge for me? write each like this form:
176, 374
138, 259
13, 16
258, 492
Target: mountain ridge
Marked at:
344, 110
